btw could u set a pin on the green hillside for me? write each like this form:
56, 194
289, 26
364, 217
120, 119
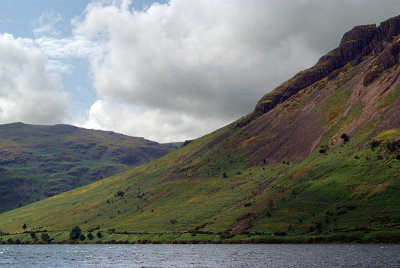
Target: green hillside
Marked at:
317, 161
40, 161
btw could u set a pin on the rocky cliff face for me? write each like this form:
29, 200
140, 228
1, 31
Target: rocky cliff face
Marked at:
352, 89
361, 41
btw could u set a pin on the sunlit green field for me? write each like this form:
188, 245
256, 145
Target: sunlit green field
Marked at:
41, 161
339, 195
226, 187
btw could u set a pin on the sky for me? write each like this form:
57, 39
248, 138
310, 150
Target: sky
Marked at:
164, 70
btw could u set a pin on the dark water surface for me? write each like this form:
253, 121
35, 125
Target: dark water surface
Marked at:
199, 255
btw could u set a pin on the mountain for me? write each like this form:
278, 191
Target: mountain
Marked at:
318, 160
41, 161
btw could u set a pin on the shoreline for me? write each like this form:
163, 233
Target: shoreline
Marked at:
23, 239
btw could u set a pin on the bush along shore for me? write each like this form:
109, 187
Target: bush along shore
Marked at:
78, 236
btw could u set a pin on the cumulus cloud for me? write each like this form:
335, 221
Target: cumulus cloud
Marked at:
191, 61
28, 92
202, 58
153, 124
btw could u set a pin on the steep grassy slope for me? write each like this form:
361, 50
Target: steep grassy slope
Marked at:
41, 161
318, 160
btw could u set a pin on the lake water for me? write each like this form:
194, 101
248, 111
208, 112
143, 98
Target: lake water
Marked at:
199, 255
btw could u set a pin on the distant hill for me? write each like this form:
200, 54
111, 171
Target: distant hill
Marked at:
318, 160
41, 161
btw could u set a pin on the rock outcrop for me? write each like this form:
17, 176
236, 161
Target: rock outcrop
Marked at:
361, 41
390, 28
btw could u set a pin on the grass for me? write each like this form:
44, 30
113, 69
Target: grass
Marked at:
391, 135
41, 161
339, 195
390, 97
231, 187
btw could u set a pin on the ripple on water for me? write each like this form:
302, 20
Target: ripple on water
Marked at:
200, 256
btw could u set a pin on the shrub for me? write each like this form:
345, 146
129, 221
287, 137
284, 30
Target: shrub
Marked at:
225, 175
393, 146
24, 226
90, 236
82, 237
173, 221
318, 226
75, 232
345, 137
120, 193
45, 237
323, 149
280, 233
99, 234
374, 144
33, 235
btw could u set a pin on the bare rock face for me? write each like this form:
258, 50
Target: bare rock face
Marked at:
387, 59
361, 41
365, 33
358, 42
390, 28
348, 90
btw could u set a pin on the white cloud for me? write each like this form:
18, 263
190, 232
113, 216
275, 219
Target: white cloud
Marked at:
28, 92
46, 24
198, 59
69, 47
63, 51
206, 59
152, 124
176, 71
